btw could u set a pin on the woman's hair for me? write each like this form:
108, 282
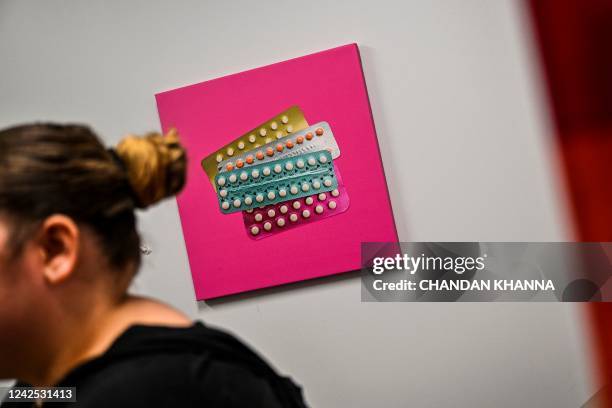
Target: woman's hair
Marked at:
50, 169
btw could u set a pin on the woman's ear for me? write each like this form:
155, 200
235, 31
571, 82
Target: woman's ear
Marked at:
58, 240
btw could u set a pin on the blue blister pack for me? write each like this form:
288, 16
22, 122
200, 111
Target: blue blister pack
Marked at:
275, 181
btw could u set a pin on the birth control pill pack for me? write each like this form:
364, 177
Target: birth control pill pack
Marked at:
272, 219
280, 175
286, 122
313, 138
275, 181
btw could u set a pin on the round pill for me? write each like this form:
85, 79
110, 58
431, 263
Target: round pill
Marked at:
225, 205
230, 151
309, 136
248, 200
267, 226
282, 192
335, 193
229, 167
259, 198
289, 144
300, 164
244, 176
322, 196
279, 135
232, 178
221, 181
305, 187
239, 163
249, 159
237, 203
293, 190
312, 161
241, 145
323, 158
284, 119
271, 195
288, 166
332, 205
278, 168
299, 139
254, 230
319, 209
319, 131
262, 132
283, 209
327, 182
219, 158
258, 217
270, 151
259, 155
306, 213
271, 213
255, 173
273, 125
280, 222
223, 193
266, 171
289, 129
316, 184
252, 138
308, 200
296, 204
279, 147
293, 217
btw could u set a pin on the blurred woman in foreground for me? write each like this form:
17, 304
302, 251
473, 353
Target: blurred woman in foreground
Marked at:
69, 249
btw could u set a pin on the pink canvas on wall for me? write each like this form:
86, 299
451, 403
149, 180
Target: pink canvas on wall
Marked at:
327, 86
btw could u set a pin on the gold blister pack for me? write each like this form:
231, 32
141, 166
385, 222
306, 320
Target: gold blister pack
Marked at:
289, 121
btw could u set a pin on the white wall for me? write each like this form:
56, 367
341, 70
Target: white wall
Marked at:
466, 151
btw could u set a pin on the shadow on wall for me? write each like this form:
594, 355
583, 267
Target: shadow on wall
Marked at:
277, 290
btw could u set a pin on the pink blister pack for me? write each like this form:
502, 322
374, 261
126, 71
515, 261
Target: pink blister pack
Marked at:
273, 219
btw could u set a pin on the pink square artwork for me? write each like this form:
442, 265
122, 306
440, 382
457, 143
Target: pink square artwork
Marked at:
327, 86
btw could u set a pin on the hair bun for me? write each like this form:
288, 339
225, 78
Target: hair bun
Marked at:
155, 165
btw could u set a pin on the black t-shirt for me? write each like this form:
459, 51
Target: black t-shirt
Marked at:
151, 366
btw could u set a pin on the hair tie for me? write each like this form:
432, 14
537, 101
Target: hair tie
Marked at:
119, 162
116, 159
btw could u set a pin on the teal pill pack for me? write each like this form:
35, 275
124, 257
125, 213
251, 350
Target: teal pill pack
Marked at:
275, 181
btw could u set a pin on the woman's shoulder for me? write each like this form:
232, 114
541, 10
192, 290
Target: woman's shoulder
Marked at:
187, 366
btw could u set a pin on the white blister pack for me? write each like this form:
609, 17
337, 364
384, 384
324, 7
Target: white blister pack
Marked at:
314, 138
